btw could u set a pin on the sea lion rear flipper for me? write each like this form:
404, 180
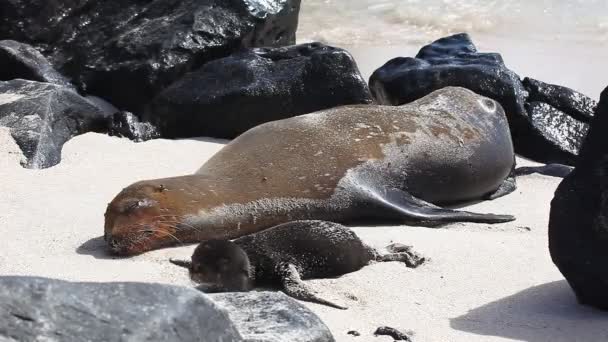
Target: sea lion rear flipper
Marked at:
294, 287
402, 253
553, 170
403, 205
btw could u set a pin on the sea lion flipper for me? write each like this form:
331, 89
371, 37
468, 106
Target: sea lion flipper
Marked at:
212, 288
410, 258
182, 263
294, 287
410, 208
553, 170
508, 186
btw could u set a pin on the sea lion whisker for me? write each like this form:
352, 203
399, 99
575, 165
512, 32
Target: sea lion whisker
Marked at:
180, 223
158, 230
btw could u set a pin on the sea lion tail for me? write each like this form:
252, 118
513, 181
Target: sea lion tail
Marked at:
182, 263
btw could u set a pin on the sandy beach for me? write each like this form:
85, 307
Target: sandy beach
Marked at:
483, 282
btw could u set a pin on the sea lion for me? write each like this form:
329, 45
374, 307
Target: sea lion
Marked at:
285, 255
343, 164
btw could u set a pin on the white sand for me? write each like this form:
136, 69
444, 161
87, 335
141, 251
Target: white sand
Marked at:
484, 283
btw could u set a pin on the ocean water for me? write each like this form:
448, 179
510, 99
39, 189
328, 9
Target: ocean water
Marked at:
415, 21
560, 41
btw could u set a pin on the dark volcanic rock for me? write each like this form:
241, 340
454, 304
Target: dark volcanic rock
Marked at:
228, 96
547, 124
562, 132
128, 50
561, 116
272, 317
43, 116
125, 124
38, 309
578, 223
450, 61
394, 333
575, 104
19, 60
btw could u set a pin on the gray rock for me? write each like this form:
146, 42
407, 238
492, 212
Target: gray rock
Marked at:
20, 60
228, 96
126, 51
43, 116
272, 317
39, 309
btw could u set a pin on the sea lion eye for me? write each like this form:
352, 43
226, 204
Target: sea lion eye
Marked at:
134, 205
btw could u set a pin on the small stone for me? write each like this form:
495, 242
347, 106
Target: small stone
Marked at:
394, 333
354, 333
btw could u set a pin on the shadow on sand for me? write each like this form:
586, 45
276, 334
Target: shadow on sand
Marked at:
548, 312
97, 248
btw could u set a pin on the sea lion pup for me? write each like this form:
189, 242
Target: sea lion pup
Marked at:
346, 164
285, 255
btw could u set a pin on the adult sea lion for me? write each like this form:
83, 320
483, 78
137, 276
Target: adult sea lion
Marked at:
285, 255
342, 164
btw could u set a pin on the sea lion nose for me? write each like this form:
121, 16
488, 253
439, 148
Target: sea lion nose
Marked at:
112, 242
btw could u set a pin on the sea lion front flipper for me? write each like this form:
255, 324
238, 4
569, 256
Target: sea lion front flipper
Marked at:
294, 287
405, 206
182, 263
211, 288
508, 186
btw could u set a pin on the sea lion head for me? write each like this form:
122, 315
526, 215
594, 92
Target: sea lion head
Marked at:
221, 263
145, 216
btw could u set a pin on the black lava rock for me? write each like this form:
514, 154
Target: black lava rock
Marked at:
450, 61
19, 60
566, 100
394, 333
125, 124
228, 96
578, 223
547, 122
561, 116
126, 51
561, 132
272, 317
43, 116
38, 309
